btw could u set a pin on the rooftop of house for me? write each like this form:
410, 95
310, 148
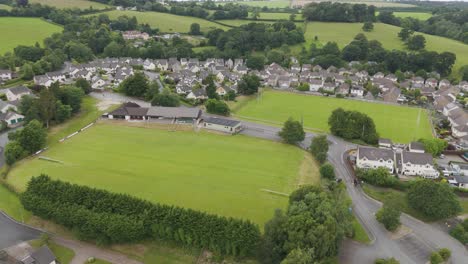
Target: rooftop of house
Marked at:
416, 158
371, 153
222, 121
19, 90
174, 112
385, 141
416, 145
43, 256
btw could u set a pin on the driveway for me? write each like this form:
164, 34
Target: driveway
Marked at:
12, 233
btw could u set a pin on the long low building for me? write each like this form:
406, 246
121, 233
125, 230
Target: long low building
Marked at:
404, 162
132, 111
222, 124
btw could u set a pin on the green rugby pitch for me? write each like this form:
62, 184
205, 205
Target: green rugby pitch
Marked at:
400, 123
203, 171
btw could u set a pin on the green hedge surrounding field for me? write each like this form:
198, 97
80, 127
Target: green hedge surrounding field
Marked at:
117, 218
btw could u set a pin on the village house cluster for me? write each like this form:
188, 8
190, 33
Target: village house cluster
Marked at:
9, 108
410, 160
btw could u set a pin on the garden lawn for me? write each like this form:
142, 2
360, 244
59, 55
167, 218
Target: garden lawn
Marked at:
343, 33
215, 173
11, 205
81, 4
166, 22
24, 31
399, 123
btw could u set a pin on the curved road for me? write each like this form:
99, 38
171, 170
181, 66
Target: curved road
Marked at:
414, 247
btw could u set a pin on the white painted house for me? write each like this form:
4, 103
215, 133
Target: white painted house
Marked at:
417, 164
373, 158
17, 93
5, 75
12, 119
6, 106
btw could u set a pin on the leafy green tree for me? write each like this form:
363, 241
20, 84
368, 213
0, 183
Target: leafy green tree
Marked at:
379, 177
46, 106
389, 216
368, 26
32, 137
214, 106
78, 51
256, 62
63, 112
292, 132
72, 96
445, 253
248, 84
13, 152
387, 261
166, 98
299, 256
464, 73
292, 17
319, 145
195, 29
114, 49
27, 72
435, 200
353, 125
435, 146
417, 42
405, 33
436, 258
83, 84
327, 171
135, 85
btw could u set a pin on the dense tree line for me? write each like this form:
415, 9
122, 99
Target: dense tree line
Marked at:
339, 12
116, 218
25, 141
311, 229
53, 105
255, 36
362, 49
353, 125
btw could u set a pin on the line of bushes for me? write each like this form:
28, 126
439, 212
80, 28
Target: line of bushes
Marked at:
114, 218
381, 177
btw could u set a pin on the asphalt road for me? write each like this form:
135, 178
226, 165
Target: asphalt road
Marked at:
414, 247
12, 233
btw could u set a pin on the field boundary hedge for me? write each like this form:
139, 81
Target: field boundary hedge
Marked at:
106, 217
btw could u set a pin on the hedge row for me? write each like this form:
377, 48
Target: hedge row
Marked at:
114, 218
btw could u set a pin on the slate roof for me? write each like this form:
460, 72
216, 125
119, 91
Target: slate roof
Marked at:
385, 141
416, 158
222, 121
416, 145
20, 90
43, 255
371, 153
174, 112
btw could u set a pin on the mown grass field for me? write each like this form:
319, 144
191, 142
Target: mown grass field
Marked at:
24, 31
204, 171
166, 22
82, 4
277, 16
10, 204
343, 33
401, 124
417, 15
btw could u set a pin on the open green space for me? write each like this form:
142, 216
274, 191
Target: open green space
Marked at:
240, 22
276, 16
100, 261
24, 31
343, 33
164, 21
203, 171
82, 4
11, 205
5, 7
417, 15
400, 123
360, 234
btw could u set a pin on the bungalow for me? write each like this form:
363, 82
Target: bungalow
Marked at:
315, 85
129, 111
431, 82
12, 119
284, 82
378, 75
17, 93
98, 83
6, 106
5, 75
57, 76
199, 94
444, 83
392, 95
222, 124
372, 158
417, 80
459, 168
417, 164
357, 91
459, 181
329, 87
43, 255
221, 91
391, 77
416, 147
343, 89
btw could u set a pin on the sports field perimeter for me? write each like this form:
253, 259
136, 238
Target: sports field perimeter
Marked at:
401, 124
204, 171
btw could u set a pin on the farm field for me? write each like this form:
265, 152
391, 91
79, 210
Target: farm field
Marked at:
82, 4
165, 22
375, 3
343, 33
417, 15
277, 16
401, 124
203, 171
27, 31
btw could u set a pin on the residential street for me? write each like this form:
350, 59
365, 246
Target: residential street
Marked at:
12, 233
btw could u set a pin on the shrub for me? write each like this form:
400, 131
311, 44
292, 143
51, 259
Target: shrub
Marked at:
214, 106
436, 258
379, 177
292, 132
445, 253
327, 171
389, 217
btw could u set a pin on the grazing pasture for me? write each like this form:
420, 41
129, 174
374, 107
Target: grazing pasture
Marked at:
400, 123
417, 15
24, 31
376, 3
270, 4
226, 175
168, 23
81, 4
343, 33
